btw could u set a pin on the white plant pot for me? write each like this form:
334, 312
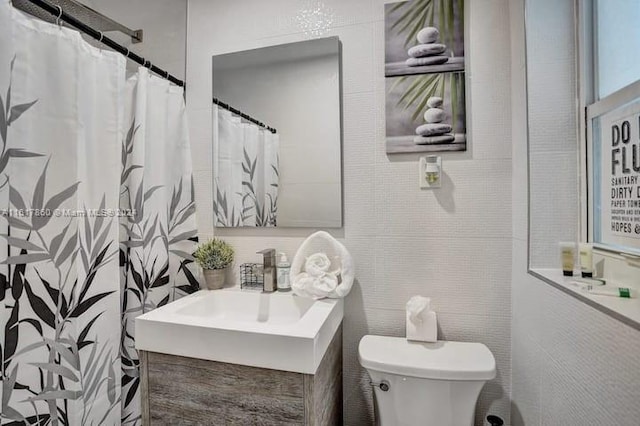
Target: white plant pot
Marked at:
215, 278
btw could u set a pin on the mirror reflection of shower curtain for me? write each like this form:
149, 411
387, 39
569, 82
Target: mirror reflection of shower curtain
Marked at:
246, 172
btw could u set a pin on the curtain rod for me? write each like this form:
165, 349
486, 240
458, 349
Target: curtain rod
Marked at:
60, 14
243, 115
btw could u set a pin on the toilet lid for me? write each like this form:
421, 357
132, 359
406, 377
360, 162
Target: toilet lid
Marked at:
441, 360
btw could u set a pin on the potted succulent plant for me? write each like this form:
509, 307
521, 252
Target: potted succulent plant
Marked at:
214, 256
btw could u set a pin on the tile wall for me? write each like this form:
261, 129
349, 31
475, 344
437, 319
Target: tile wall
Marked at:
453, 244
571, 364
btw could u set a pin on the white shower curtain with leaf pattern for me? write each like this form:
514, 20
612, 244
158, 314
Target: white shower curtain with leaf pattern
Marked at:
157, 240
97, 222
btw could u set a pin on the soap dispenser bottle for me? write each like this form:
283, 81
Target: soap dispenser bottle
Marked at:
284, 268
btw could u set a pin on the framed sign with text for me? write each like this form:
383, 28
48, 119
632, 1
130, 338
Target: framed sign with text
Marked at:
614, 176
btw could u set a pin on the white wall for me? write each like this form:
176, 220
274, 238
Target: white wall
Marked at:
453, 244
553, 133
165, 29
571, 364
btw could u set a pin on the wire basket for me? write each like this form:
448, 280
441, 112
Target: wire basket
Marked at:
251, 276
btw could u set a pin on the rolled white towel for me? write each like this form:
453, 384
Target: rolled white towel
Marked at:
315, 287
342, 266
317, 264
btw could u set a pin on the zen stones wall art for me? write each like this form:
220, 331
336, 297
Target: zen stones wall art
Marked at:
424, 70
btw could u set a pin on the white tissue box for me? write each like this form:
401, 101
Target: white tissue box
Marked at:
425, 329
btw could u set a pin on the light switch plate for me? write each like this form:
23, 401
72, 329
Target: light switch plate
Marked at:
423, 181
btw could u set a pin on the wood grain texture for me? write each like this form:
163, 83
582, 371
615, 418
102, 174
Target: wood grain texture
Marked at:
188, 391
323, 391
144, 387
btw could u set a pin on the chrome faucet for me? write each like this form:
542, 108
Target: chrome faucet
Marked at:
270, 279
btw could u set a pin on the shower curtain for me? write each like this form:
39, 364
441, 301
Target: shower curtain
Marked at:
246, 171
96, 225
157, 239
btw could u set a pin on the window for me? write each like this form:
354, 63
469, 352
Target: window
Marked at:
610, 94
617, 42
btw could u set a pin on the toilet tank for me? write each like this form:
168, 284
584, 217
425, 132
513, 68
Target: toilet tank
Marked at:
426, 383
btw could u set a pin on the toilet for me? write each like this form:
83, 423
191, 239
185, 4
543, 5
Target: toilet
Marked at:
425, 384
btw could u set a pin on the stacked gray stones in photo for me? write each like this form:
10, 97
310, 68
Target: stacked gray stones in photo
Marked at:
434, 131
429, 51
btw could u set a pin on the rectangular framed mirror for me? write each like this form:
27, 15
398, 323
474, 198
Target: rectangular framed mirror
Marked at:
277, 136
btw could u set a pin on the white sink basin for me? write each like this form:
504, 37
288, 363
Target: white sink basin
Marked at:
279, 331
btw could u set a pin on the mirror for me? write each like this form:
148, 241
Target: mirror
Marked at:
277, 136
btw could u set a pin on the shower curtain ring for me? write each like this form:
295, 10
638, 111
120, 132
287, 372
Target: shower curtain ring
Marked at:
59, 15
101, 37
127, 54
166, 75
